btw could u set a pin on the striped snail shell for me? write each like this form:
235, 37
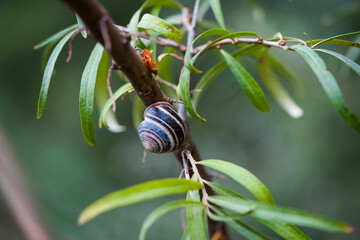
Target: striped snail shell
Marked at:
162, 129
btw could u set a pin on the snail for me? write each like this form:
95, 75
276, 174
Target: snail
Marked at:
162, 129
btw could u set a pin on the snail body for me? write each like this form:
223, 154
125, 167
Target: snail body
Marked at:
162, 129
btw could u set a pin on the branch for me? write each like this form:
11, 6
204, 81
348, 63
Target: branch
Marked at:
160, 41
117, 45
278, 44
15, 190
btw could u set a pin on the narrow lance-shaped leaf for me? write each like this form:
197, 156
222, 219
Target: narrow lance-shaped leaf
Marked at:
46, 54
335, 37
137, 193
102, 95
158, 25
216, 8
328, 83
242, 176
285, 230
118, 93
160, 211
278, 91
353, 65
223, 191
86, 97
150, 3
56, 36
137, 112
48, 73
195, 219
282, 68
282, 214
247, 83
185, 94
189, 63
81, 25
240, 227
213, 72
334, 42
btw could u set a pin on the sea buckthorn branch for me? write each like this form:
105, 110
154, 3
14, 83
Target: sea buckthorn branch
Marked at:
278, 44
117, 45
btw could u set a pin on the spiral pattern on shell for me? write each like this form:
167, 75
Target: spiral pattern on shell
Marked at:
162, 129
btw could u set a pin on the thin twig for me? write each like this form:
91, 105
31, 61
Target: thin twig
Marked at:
160, 80
71, 44
111, 94
196, 172
278, 44
186, 19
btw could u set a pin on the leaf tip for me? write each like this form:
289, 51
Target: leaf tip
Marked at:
350, 229
35, 47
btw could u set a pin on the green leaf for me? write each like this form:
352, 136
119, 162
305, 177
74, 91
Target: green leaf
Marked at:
240, 227
86, 97
158, 25
102, 95
160, 211
353, 65
213, 72
137, 112
195, 219
185, 94
56, 36
247, 83
137, 193
46, 54
282, 214
48, 73
278, 91
328, 83
335, 37
147, 4
242, 176
81, 25
335, 42
212, 32
216, 8
282, 68
223, 191
185, 235
222, 32
121, 91
285, 230
203, 9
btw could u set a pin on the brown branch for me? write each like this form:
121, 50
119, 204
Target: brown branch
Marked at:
117, 45
101, 26
278, 44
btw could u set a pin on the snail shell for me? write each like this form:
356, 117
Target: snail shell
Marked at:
162, 129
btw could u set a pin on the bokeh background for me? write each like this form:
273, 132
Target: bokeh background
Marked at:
311, 163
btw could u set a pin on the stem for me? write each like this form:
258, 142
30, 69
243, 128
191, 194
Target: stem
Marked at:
117, 45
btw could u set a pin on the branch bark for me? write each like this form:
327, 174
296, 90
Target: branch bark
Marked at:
117, 45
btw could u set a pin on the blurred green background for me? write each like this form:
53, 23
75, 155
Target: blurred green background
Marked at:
310, 163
